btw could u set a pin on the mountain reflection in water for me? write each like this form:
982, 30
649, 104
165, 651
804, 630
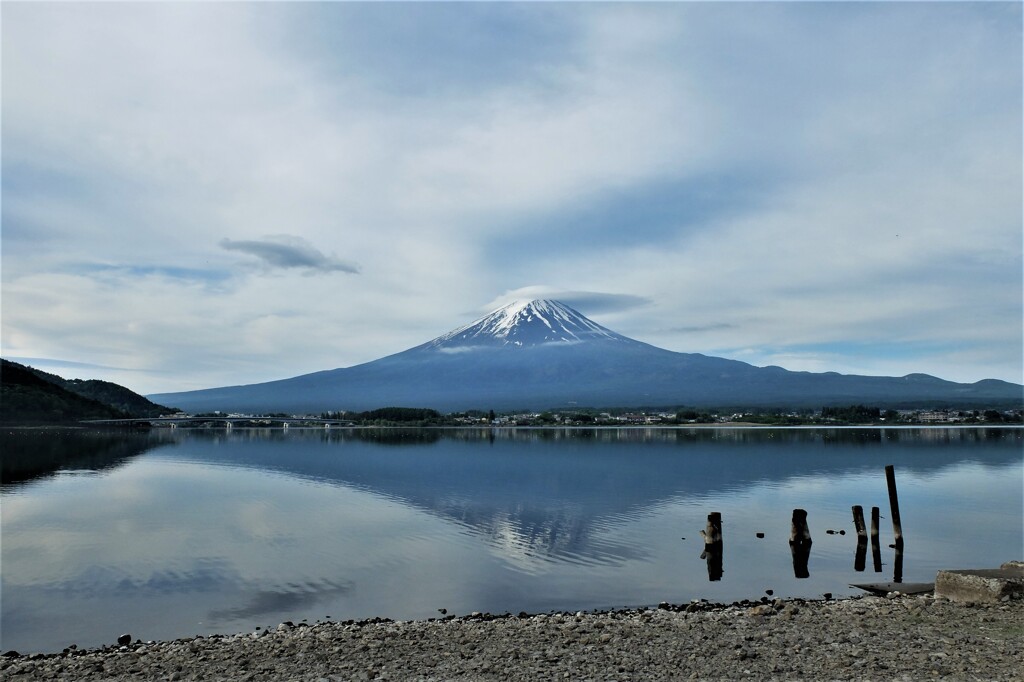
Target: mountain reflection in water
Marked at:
173, 532
543, 491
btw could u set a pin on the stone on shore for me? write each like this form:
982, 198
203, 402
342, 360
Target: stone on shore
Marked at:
868, 638
982, 585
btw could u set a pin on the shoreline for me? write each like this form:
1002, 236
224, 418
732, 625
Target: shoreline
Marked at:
513, 427
860, 637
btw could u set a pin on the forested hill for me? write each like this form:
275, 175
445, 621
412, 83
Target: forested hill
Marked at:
31, 396
108, 393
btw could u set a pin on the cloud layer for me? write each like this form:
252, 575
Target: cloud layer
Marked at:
286, 252
820, 186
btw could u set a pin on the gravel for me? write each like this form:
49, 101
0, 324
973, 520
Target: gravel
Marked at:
867, 638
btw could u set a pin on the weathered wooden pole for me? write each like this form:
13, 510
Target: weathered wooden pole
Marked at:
801, 555
799, 533
876, 547
800, 543
713, 546
858, 522
897, 572
894, 503
713, 554
713, 532
861, 555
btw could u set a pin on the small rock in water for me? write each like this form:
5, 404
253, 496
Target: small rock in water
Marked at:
442, 611
830, 531
769, 592
842, 532
125, 639
760, 535
827, 595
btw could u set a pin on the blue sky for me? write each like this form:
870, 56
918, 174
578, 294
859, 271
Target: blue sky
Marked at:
198, 195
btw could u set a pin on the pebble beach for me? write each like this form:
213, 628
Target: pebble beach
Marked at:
865, 638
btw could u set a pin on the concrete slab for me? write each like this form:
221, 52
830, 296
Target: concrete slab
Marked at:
903, 588
982, 585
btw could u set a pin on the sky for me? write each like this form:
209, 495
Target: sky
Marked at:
210, 194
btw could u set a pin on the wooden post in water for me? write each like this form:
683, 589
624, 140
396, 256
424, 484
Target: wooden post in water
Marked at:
713, 532
713, 546
860, 556
801, 555
858, 522
800, 544
876, 547
799, 534
894, 503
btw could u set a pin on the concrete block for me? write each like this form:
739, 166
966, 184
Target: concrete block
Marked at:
982, 585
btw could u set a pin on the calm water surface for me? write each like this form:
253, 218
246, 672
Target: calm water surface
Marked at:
174, 533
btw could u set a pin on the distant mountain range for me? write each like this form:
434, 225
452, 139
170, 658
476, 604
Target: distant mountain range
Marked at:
29, 395
542, 354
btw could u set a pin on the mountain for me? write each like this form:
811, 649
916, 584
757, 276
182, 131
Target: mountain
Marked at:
108, 393
26, 398
543, 354
29, 395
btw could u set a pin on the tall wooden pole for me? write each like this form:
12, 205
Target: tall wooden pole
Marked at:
876, 547
894, 503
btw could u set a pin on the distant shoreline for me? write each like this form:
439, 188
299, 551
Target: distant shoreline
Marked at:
512, 427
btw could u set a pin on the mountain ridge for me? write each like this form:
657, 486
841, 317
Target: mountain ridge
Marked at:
30, 395
106, 392
545, 355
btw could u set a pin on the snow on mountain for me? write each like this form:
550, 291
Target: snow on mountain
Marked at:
526, 323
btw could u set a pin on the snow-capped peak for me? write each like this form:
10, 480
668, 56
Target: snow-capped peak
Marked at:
527, 323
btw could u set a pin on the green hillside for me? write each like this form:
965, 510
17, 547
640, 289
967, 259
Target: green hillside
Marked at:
29, 396
108, 393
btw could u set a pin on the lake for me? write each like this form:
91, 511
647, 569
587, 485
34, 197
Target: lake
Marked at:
176, 532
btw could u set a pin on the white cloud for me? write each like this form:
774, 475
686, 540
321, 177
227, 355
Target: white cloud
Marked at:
882, 144
592, 302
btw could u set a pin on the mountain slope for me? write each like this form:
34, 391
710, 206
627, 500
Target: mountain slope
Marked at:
26, 398
108, 393
543, 354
